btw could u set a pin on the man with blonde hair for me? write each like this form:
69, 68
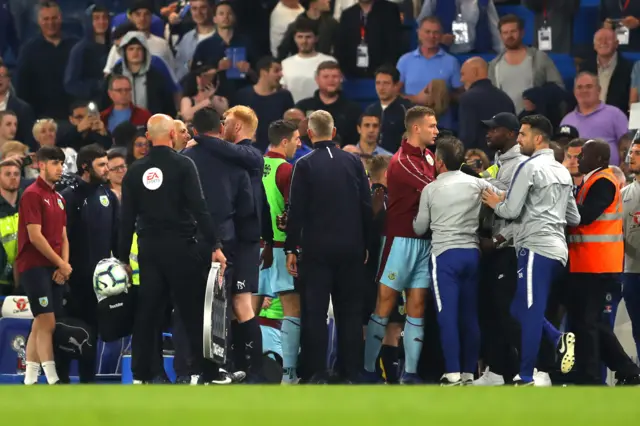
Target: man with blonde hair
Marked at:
330, 218
161, 196
236, 147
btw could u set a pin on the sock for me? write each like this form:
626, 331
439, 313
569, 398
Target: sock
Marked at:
413, 334
375, 333
252, 341
49, 368
290, 346
551, 332
31, 373
237, 348
389, 363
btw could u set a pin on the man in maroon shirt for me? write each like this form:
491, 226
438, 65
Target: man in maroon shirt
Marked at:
43, 259
404, 263
284, 139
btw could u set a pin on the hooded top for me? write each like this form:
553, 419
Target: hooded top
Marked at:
139, 79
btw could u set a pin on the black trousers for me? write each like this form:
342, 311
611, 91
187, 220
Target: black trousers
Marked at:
171, 269
342, 279
500, 331
595, 340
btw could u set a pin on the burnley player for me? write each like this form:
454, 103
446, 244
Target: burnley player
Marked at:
276, 280
404, 262
43, 260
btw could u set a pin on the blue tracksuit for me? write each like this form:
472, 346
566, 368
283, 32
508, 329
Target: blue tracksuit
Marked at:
631, 295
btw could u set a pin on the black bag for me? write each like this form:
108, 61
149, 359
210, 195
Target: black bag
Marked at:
115, 317
74, 337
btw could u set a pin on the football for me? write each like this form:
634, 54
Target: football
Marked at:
110, 278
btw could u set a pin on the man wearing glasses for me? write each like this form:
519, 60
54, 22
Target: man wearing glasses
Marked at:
122, 108
117, 170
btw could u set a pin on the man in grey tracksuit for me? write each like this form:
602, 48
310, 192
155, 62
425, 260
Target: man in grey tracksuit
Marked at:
540, 202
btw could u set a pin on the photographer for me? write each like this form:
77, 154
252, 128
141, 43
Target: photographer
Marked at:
85, 127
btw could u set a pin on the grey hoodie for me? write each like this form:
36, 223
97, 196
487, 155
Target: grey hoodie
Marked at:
138, 80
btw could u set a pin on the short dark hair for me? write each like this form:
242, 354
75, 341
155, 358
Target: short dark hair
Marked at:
511, 19
6, 112
115, 77
304, 25
115, 153
124, 133
433, 19
87, 155
47, 4
224, 3
206, 120
328, 65
417, 113
99, 8
281, 129
451, 152
540, 124
576, 143
389, 70
265, 63
367, 114
50, 153
78, 103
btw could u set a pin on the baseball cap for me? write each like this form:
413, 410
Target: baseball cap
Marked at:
567, 131
141, 4
504, 119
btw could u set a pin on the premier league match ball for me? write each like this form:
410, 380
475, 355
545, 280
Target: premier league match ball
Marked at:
110, 278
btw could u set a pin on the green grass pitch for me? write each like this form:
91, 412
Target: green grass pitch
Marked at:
117, 405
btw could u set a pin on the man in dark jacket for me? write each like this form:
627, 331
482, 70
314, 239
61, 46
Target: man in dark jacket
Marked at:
370, 35
84, 128
22, 110
83, 77
481, 101
331, 222
42, 63
323, 24
92, 229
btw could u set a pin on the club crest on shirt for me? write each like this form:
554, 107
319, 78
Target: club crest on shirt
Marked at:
104, 200
429, 159
392, 276
60, 204
267, 170
44, 301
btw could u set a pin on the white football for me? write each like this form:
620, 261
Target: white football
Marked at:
110, 278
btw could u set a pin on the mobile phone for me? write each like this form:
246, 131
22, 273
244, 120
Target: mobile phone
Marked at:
92, 109
27, 161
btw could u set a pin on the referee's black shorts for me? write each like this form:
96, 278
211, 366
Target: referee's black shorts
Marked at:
45, 296
244, 260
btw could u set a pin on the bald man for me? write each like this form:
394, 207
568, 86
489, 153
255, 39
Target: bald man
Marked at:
182, 136
481, 101
161, 197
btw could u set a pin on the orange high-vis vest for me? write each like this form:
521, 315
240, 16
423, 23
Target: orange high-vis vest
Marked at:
598, 248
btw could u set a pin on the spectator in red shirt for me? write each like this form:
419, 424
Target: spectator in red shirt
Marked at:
43, 259
122, 107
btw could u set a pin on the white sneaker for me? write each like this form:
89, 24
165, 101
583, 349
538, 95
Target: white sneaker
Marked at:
489, 378
467, 379
541, 379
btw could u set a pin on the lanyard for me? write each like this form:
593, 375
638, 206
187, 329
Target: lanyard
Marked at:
626, 5
544, 10
363, 26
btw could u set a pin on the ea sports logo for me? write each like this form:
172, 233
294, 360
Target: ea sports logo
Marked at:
152, 178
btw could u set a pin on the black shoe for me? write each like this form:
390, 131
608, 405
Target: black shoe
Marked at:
183, 380
628, 380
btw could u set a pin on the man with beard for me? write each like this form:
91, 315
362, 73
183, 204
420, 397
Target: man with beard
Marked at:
92, 227
10, 191
43, 260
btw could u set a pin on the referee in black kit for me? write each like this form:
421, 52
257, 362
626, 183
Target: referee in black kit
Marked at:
162, 193
330, 219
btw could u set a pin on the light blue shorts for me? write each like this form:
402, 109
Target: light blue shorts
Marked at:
271, 340
275, 279
405, 263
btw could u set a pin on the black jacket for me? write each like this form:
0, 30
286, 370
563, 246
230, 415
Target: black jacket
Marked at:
481, 102
620, 83
70, 137
227, 190
330, 204
92, 225
345, 114
383, 36
326, 28
247, 156
391, 122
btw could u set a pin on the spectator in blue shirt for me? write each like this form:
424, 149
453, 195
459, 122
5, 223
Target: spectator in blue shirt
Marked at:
202, 14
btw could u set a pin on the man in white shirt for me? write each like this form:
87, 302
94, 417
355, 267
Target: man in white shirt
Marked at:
202, 15
285, 12
140, 14
299, 71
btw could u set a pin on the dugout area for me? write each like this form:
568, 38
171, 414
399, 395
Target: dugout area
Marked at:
382, 405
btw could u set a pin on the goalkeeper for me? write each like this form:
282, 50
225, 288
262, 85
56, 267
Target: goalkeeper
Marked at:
92, 229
